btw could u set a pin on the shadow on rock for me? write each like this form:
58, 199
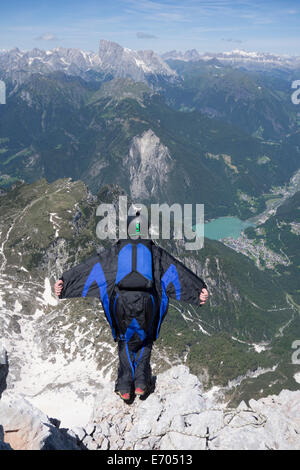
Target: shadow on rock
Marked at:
3, 445
59, 439
4, 367
150, 390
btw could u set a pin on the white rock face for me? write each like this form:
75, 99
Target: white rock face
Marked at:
24, 427
177, 416
149, 163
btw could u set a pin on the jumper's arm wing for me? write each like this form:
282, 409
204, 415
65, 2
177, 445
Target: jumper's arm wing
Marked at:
93, 277
174, 279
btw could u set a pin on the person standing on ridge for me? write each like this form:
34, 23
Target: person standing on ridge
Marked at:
134, 281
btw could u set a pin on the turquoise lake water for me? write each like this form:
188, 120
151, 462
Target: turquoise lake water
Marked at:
225, 227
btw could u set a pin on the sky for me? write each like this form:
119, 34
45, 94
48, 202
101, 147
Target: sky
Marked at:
205, 25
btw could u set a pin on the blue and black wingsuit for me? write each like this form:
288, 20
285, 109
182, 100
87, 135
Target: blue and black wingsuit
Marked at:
134, 281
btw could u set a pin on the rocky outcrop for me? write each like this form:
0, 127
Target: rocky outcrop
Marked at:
176, 415
180, 416
24, 427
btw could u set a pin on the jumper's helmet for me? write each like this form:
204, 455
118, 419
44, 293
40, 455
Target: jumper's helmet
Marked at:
137, 226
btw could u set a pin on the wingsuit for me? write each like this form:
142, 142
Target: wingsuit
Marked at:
134, 281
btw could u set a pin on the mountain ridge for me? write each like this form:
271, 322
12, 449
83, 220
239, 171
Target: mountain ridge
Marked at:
238, 57
111, 58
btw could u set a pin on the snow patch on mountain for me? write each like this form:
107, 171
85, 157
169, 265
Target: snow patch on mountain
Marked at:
47, 295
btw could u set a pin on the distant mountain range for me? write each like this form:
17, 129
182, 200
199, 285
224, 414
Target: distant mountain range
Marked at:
238, 57
111, 60
121, 62
247, 89
162, 132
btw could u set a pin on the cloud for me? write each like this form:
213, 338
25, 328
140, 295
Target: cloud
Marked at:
232, 40
47, 37
141, 35
291, 12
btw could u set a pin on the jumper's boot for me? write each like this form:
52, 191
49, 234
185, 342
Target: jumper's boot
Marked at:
125, 396
140, 392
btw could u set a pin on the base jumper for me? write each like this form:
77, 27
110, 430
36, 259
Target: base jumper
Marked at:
134, 280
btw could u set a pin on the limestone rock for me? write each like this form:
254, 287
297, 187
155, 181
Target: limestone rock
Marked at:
177, 416
149, 163
27, 428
